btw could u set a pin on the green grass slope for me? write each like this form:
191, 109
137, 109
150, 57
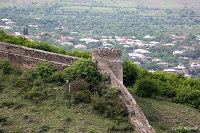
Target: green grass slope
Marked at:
165, 116
38, 101
53, 115
19, 115
50, 113
118, 3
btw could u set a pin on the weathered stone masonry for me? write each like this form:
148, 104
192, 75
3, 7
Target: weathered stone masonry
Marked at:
111, 58
109, 62
27, 58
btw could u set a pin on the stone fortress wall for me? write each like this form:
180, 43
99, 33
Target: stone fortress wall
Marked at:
109, 62
110, 58
28, 58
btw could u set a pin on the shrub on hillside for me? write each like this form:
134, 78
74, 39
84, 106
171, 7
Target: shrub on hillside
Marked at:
82, 96
99, 104
28, 76
167, 82
44, 71
130, 73
22, 84
116, 110
147, 87
58, 77
112, 108
83, 69
182, 130
79, 85
18, 71
38, 94
33, 95
4, 121
5, 66
111, 93
1, 86
188, 96
101, 88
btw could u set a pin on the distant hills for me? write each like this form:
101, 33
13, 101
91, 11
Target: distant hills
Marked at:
116, 3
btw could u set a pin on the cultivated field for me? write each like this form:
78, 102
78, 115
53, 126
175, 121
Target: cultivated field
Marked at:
116, 3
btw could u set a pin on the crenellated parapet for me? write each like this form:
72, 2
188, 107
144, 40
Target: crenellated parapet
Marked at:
109, 58
109, 62
107, 53
28, 57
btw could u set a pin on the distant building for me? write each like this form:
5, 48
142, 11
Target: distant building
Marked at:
180, 69
154, 42
25, 31
10, 23
181, 37
156, 60
106, 44
88, 40
169, 44
187, 47
126, 46
6, 20
195, 65
177, 53
152, 71
136, 55
130, 43
163, 64
67, 43
141, 44
145, 58
121, 40
142, 51
80, 46
7, 27
148, 37
170, 70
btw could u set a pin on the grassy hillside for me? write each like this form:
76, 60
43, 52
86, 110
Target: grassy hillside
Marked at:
53, 115
164, 116
29, 103
117, 3
33, 103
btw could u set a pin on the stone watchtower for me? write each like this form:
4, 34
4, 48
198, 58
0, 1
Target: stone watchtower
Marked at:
109, 62
108, 58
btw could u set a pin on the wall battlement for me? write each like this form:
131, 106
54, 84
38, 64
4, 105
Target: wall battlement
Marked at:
35, 53
110, 58
109, 62
107, 53
28, 57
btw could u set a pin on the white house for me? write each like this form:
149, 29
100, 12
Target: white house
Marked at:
88, 40
180, 69
6, 20
175, 53
80, 46
170, 70
169, 44
156, 60
195, 65
136, 55
142, 51
148, 37
107, 44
